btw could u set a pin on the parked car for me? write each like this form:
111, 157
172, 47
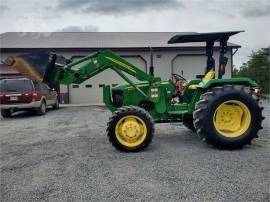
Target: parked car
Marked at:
258, 92
22, 94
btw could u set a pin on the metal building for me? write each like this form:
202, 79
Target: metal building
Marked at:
187, 60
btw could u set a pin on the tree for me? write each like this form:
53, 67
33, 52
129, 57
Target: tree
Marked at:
257, 68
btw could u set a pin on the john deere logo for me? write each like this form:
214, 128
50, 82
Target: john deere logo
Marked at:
122, 64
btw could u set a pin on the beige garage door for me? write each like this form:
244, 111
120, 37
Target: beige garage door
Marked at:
90, 91
189, 66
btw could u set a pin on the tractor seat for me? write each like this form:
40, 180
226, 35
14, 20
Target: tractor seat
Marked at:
210, 75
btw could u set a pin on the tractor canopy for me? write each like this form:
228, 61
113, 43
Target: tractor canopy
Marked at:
209, 39
202, 37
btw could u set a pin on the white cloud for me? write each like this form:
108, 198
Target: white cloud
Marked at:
141, 15
117, 7
74, 28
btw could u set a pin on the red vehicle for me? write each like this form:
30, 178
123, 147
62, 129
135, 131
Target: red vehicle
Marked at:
257, 92
22, 94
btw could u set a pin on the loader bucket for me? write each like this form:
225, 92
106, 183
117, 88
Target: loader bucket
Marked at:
36, 66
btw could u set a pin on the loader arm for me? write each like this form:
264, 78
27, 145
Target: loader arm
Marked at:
96, 63
43, 67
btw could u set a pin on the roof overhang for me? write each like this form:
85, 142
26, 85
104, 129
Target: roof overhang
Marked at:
96, 40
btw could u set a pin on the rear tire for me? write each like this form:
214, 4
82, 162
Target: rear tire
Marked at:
188, 121
42, 108
130, 129
6, 113
228, 117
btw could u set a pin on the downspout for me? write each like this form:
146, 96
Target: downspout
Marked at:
151, 68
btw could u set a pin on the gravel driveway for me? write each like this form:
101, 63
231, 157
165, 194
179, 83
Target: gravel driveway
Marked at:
65, 156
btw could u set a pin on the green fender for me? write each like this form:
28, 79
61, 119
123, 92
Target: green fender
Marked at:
205, 84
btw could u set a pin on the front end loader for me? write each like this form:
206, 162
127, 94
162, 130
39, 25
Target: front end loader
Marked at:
222, 111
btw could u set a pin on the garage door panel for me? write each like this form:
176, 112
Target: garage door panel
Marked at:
189, 66
91, 91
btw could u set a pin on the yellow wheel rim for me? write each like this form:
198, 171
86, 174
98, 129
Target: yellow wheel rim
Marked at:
232, 118
131, 131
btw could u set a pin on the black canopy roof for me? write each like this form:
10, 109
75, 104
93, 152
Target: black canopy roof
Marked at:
202, 37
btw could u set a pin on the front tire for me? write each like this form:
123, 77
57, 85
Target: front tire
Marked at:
227, 117
130, 129
56, 105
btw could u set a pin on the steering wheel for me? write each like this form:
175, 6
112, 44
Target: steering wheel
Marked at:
178, 77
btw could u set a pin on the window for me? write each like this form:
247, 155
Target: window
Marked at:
44, 87
101, 85
88, 86
114, 84
37, 86
75, 86
16, 85
47, 87
158, 55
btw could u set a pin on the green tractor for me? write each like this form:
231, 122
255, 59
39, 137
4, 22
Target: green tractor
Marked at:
222, 111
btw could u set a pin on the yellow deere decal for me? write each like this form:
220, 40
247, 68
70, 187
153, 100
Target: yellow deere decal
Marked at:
141, 85
122, 64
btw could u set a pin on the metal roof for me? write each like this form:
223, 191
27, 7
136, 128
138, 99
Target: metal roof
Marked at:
13, 40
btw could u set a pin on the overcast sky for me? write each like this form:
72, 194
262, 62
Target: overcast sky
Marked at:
253, 16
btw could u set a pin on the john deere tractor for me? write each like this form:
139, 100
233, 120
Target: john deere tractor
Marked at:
222, 111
